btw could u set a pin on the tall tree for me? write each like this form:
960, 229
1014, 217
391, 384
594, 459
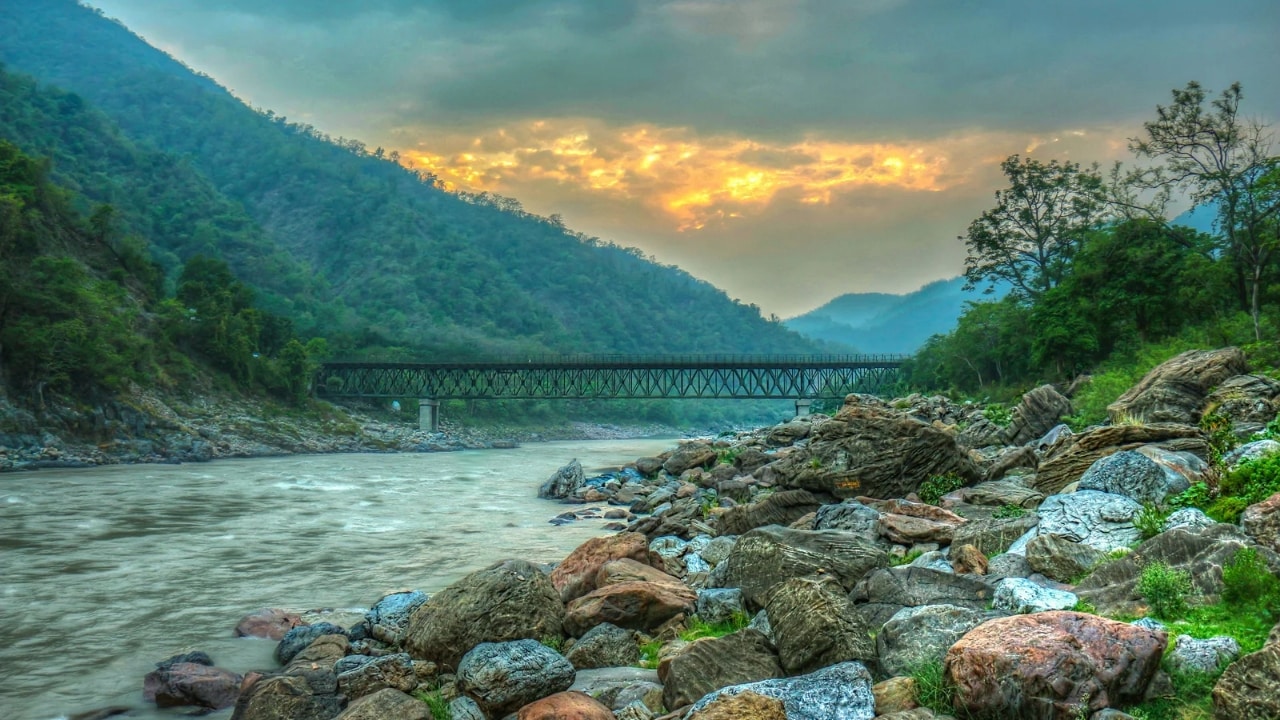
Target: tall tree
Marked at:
1224, 160
1028, 238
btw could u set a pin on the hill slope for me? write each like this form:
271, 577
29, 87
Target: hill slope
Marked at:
881, 323
420, 268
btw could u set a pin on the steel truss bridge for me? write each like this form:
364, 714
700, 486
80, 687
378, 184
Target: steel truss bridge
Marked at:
798, 377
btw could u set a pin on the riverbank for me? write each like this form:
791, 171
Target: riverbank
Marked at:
145, 426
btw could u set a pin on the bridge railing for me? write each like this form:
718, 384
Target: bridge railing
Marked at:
636, 361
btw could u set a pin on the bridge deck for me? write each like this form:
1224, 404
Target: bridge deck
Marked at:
615, 376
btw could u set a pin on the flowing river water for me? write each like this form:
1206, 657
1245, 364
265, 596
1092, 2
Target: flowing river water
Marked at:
106, 571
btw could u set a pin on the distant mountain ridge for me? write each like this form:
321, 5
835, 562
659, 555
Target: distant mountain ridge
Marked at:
885, 323
360, 249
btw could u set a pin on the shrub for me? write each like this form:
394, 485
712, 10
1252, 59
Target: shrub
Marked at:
1165, 589
436, 703
932, 689
1196, 496
1007, 511
998, 414
905, 559
1149, 521
649, 653
932, 490
1247, 580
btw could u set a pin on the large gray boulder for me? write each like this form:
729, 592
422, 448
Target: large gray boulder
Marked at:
605, 645
1068, 459
769, 555
564, 482
1206, 656
503, 677
689, 455
1038, 412
388, 671
915, 636
1062, 559
993, 536
866, 450
1019, 596
389, 617
718, 605
839, 692
914, 586
1132, 475
780, 508
386, 704
849, 516
709, 664
509, 600
1248, 401
1100, 520
814, 626
1175, 390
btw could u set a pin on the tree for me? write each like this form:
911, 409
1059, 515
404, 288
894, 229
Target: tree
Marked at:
1223, 160
1028, 238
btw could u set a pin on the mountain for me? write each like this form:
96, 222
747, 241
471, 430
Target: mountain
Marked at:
883, 323
336, 236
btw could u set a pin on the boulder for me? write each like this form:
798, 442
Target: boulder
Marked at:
769, 555
908, 530
1200, 552
918, 635
628, 570
565, 706
814, 625
1205, 656
389, 671
1175, 391
1261, 521
849, 516
286, 697
871, 451
502, 677
605, 645
1250, 686
389, 617
1038, 412
196, 684
635, 605
563, 483
576, 575
1021, 596
1250, 451
648, 466
508, 600
709, 664
968, 559
992, 536
297, 639
742, 706
895, 695
269, 623
1052, 665
1181, 469
1192, 518
839, 692
718, 605
1132, 475
1008, 565
1009, 491
913, 586
780, 508
387, 704
668, 553
689, 455
1068, 461
788, 433
464, 708
1100, 520
1246, 400
1061, 558
1007, 461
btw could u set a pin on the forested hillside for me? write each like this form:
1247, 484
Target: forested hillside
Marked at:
338, 237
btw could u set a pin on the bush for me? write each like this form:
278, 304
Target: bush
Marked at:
998, 414
1165, 589
1007, 511
436, 703
1247, 580
932, 490
1196, 496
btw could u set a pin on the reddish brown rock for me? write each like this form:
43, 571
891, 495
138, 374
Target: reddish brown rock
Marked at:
634, 605
628, 570
743, 706
194, 684
917, 510
908, 530
576, 576
897, 694
968, 559
1052, 665
270, 623
1261, 522
569, 705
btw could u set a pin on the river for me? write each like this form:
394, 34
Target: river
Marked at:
105, 571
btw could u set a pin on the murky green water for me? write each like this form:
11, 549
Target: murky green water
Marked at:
104, 572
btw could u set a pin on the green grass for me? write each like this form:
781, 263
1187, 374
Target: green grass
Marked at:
697, 629
1149, 521
436, 703
905, 559
1009, 511
649, 654
932, 490
1192, 698
932, 689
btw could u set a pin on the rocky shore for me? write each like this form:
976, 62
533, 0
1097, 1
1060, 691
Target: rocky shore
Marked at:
823, 569
147, 427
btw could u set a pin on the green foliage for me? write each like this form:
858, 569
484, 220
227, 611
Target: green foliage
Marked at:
1246, 580
1084, 606
436, 703
932, 689
998, 415
906, 559
649, 653
726, 455
1252, 482
1008, 511
1270, 432
1196, 496
1192, 698
697, 628
555, 642
1165, 590
932, 490
1149, 521
1222, 439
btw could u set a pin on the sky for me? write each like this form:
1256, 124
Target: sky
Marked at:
788, 151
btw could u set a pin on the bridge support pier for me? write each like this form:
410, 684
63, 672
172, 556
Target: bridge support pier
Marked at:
802, 407
429, 415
